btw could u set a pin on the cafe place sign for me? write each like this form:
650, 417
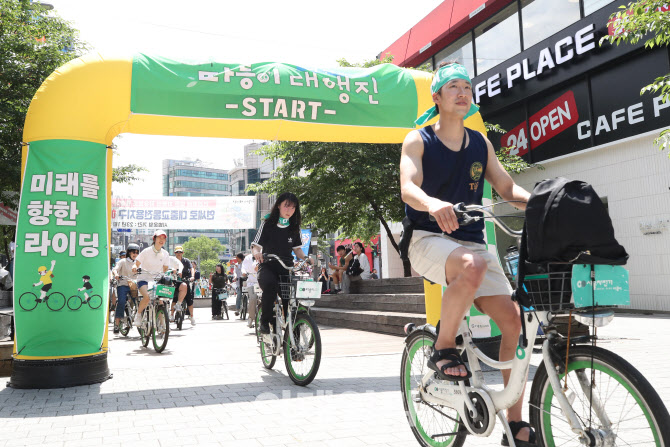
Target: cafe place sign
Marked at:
564, 50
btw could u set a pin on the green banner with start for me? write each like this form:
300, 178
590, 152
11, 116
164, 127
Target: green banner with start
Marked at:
383, 96
61, 274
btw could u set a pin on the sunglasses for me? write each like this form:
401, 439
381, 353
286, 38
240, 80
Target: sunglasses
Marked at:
179, 252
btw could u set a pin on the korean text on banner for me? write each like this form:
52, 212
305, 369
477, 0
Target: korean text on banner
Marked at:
61, 281
176, 213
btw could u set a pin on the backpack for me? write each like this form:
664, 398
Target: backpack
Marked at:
354, 268
567, 222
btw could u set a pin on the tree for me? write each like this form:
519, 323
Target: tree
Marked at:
34, 42
638, 20
353, 187
202, 248
208, 266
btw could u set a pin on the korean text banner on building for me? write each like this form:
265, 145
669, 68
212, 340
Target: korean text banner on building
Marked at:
187, 213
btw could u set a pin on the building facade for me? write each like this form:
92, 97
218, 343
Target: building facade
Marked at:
193, 178
570, 104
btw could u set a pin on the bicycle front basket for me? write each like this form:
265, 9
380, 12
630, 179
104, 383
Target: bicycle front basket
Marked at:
550, 288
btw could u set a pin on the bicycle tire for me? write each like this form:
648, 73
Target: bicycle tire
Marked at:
267, 356
426, 418
57, 304
307, 336
644, 418
160, 332
125, 323
179, 318
257, 324
95, 301
224, 309
74, 302
28, 301
245, 304
145, 335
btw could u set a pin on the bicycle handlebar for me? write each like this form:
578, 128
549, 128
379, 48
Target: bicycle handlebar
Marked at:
294, 268
461, 210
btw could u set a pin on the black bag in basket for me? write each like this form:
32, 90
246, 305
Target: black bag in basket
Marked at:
567, 222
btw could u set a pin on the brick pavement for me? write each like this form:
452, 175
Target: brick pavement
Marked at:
209, 388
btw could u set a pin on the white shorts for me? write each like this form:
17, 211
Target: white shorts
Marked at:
428, 253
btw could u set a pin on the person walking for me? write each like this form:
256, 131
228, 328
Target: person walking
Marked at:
250, 269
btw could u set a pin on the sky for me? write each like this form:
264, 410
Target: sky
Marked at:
302, 32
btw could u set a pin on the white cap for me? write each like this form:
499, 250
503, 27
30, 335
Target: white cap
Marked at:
159, 233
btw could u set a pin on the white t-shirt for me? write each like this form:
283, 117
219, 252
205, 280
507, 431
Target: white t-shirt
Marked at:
365, 265
153, 262
176, 266
249, 267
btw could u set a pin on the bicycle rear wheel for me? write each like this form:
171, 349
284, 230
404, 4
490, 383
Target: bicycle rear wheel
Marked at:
224, 311
28, 301
302, 360
432, 425
161, 330
95, 301
56, 301
637, 415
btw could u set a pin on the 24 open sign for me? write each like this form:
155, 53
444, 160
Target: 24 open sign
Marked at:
308, 289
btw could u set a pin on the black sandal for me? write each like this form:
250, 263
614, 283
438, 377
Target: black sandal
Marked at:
451, 354
515, 427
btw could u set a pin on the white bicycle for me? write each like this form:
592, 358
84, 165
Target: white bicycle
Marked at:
296, 333
581, 394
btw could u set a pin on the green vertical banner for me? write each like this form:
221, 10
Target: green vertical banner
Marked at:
62, 263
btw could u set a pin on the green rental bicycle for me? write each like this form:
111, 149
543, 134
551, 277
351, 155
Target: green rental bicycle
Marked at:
296, 333
581, 394
155, 321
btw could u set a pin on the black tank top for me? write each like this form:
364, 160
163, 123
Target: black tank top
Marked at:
455, 177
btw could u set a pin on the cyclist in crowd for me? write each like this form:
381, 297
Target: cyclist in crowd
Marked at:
239, 281
152, 259
187, 276
250, 269
123, 268
441, 165
279, 234
218, 279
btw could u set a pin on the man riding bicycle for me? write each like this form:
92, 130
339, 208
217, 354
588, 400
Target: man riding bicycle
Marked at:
124, 268
152, 259
441, 165
279, 234
187, 275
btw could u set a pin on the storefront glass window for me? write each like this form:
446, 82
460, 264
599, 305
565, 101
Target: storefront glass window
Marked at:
459, 51
543, 18
497, 39
591, 6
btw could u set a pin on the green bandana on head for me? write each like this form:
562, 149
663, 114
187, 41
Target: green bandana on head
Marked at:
444, 75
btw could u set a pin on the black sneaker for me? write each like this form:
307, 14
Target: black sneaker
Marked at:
264, 328
116, 329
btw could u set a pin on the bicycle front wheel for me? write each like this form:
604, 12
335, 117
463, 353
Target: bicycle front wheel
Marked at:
145, 329
125, 323
95, 301
303, 358
432, 425
56, 301
245, 305
74, 302
632, 412
28, 301
161, 330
